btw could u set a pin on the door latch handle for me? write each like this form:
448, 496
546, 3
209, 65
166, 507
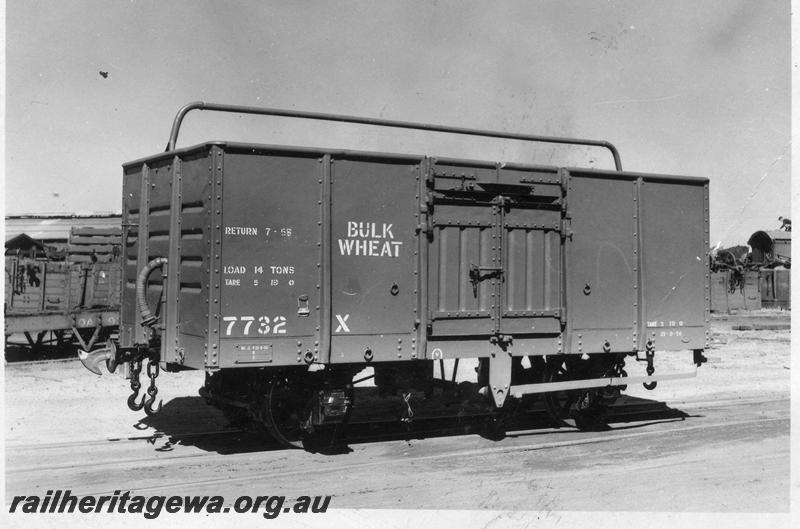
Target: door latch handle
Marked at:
476, 275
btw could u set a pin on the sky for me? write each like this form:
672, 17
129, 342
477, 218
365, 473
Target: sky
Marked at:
699, 88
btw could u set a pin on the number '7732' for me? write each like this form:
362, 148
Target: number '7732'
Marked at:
277, 325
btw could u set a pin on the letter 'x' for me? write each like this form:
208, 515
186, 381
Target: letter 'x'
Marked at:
342, 327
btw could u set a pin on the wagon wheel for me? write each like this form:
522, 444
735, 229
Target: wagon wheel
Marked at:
287, 412
577, 408
559, 404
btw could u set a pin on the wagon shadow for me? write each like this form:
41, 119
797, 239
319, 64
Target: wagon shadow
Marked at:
189, 421
628, 414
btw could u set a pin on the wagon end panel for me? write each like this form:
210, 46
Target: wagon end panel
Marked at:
675, 275
166, 214
146, 233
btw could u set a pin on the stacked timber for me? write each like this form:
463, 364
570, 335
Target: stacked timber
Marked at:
94, 245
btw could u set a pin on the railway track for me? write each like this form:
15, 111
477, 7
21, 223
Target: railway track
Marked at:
251, 446
31, 363
115, 440
386, 463
620, 412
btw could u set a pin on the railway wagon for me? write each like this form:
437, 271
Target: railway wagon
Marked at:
284, 272
74, 296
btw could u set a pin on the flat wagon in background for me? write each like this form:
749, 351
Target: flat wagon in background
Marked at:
290, 274
69, 297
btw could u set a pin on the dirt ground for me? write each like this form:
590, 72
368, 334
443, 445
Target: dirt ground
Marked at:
67, 428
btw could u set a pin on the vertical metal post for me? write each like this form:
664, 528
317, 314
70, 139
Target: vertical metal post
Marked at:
640, 327
143, 239
13, 278
44, 284
707, 272
173, 268
325, 301
214, 240
423, 242
565, 340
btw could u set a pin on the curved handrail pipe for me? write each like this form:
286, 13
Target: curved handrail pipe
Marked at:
238, 109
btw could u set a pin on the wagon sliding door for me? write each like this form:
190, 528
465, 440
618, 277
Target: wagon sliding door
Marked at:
495, 257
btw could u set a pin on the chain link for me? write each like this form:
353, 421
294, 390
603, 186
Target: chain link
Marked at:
136, 369
152, 372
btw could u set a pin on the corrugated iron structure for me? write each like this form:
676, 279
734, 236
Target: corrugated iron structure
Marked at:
771, 248
55, 229
285, 271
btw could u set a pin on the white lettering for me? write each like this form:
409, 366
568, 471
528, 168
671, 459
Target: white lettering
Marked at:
342, 327
264, 327
369, 239
240, 230
396, 248
346, 246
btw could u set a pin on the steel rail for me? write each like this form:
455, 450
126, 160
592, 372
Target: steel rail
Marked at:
239, 109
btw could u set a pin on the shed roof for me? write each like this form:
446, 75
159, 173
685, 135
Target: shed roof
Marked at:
56, 227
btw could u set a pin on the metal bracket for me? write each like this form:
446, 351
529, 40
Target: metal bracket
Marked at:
569, 385
500, 374
566, 228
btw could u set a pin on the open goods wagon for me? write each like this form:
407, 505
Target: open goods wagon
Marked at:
286, 271
74, 296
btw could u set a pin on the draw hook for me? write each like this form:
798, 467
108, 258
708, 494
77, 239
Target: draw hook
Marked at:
132, 404
148, 407
150, 400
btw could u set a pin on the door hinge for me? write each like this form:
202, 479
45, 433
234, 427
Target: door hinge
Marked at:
566, 228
